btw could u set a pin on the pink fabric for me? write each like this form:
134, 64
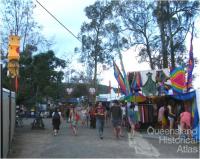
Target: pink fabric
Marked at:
186, 118
161, 113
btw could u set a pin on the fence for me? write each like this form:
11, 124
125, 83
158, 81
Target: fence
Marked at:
7, 120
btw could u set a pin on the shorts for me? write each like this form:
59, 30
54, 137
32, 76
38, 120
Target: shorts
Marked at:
116, 123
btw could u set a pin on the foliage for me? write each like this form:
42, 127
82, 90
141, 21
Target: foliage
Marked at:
160, 38
17, 19
174, 19
95, 49
39, 79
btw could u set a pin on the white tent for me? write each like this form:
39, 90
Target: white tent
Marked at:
109, 97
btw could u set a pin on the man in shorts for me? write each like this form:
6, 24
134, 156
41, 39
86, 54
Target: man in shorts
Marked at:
116, 115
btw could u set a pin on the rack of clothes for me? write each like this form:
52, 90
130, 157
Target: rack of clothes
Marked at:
145, 113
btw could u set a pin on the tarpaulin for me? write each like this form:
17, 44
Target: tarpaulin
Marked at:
184, 96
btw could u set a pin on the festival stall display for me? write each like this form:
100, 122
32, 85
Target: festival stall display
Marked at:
171, 83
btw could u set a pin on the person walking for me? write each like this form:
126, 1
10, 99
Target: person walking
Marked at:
132, 119
83, 114
92, 117
87, 115
74, 120
185, 122
171, 118
123, 108
100, 119
67, 114
116, 116
56, 121
162, 116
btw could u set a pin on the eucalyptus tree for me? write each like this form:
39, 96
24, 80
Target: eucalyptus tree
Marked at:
174, 19
160, 39
17, 18
137, 22
95, 48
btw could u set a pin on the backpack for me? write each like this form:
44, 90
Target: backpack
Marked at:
56, 116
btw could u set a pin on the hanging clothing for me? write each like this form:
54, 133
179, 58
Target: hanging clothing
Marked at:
149, 88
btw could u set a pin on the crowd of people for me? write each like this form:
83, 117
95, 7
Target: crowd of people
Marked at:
169, 117
120, 115
91, 116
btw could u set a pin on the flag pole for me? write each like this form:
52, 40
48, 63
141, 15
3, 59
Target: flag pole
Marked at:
190, 63
123, 70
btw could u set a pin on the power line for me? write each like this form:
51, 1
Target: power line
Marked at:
58, 21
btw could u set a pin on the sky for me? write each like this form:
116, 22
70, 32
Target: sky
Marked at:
71, 14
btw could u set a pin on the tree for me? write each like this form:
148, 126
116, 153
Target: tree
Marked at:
39, 78
167, 30
95, 48
174, 19
137, 22
17, 17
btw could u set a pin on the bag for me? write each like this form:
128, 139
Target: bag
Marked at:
56, 116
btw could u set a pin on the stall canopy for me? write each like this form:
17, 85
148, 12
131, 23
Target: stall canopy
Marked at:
135, 98
184, 96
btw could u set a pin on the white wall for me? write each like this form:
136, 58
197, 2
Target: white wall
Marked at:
8, 125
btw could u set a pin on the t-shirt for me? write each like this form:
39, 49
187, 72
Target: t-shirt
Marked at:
100, 112
116, 112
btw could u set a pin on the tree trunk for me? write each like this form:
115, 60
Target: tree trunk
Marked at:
95, 70
149, 54
161, 24
170, 38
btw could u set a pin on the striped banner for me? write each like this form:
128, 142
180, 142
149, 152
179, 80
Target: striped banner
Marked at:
120, 79
190, 64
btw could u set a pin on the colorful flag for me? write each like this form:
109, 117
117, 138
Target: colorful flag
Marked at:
177, 78
136, 82
119, 78
126, 82
190, 64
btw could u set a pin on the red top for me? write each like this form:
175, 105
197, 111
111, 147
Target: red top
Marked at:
100, 112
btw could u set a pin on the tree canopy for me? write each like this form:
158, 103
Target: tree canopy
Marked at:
40, 78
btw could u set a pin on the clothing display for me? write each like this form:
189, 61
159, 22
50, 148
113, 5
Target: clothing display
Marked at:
145, 113
149, 88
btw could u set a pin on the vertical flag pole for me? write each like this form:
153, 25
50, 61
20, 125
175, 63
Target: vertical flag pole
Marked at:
118, 91
124, 72
190, 63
